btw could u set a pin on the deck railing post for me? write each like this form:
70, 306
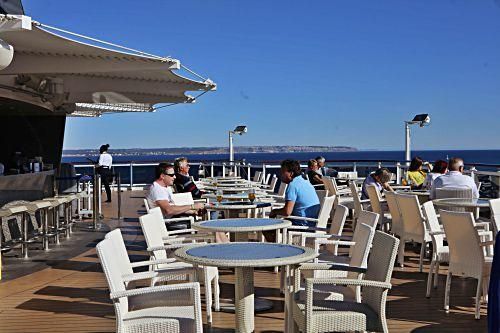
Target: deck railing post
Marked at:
119, 194
398, 173
212, 169
354, 167
131, 170
223, 170
263, 173
249, 169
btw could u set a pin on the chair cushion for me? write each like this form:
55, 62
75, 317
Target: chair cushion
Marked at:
335, 316
184, 315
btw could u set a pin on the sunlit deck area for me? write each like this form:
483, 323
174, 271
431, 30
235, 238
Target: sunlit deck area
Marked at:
65, 290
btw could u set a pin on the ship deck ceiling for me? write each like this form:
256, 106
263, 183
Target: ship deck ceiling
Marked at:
65, 291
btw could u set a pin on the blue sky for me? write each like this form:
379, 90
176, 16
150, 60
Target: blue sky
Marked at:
304, 73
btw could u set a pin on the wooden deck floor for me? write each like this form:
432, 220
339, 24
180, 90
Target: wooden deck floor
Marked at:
70, 294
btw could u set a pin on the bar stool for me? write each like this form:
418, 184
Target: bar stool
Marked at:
18, 208
42, 206
55, 204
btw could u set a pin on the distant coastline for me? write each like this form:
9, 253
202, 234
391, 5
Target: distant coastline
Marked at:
211, 150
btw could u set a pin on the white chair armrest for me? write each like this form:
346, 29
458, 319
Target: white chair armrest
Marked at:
152, 262
156, 289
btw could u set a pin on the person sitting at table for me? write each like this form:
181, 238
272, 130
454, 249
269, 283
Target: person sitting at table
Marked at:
454, 179
324, 170
439, 169
183, 182
380, 178
416, 175
160, 195
313, 173
300, 197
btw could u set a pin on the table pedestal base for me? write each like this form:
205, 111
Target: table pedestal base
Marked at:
260, 305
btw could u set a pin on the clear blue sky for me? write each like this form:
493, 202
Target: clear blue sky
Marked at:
304, 73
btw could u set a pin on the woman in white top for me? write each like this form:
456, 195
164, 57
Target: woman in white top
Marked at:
104, 169
439, 169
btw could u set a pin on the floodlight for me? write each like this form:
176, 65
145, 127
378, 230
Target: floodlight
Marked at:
240, 129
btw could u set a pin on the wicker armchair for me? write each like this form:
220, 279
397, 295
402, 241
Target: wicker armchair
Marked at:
414, 228
171, 268
358, 203
155, 245
173, 308
440, 252
467, 258
310, 315
378, 206
495, 215
320, 228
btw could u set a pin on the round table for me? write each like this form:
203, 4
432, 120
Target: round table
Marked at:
423, 195
232, 196
244, 257
462, 202
234, 208
241, 227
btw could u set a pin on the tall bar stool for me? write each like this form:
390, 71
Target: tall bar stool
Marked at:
55, 204
42, 206
18, 210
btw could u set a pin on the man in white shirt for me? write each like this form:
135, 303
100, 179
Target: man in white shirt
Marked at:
104, 169
454, 179
160, 193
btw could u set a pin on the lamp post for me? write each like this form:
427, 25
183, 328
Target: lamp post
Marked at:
238, 130
420, 119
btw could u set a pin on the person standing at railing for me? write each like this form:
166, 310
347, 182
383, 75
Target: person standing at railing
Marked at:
104, 169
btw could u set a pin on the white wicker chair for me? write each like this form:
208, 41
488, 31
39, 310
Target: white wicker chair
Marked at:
396, 220
495, 215
440, 252
467, 258
312, 315
358, 203
335, 231
342, 196
155, 245
171, 268
414, 228
351, 267
377, 207
169, 309
321, 222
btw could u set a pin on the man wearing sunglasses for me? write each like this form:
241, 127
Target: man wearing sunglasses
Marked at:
160, 194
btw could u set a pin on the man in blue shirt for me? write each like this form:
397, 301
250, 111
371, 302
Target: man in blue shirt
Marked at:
300, 197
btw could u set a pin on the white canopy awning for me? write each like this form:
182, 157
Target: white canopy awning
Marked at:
70, 74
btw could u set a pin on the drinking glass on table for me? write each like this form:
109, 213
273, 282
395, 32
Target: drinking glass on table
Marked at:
251, 195
219, 194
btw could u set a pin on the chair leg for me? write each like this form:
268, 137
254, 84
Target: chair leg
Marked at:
216, 294
436, 275
208, 297
421, 260
447, 293
401, 253
479, 291
430, 278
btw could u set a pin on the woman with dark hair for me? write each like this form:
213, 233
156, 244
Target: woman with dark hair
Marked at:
440, 168
416, 176
104, 169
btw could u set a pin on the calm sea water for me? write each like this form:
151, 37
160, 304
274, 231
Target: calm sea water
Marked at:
469, 156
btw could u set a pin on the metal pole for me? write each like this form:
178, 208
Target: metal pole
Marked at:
231, 150
95, 199
398, 173
131, 175
407, 143
248, 171
119, 194
263, 173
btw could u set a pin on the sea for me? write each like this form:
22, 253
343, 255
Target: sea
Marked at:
488, 158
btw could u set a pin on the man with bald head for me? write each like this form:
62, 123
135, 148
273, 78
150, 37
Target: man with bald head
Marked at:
455, 179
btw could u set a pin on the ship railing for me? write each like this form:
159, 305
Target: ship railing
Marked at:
137, 175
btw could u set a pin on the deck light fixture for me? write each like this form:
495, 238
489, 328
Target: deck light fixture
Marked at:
238, 130
420, 119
